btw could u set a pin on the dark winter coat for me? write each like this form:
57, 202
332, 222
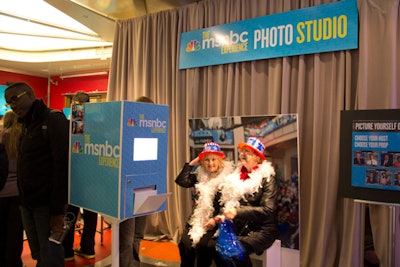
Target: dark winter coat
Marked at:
3, 166
256, 219
42, 165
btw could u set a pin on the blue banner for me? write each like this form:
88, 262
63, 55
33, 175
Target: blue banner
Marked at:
324, 28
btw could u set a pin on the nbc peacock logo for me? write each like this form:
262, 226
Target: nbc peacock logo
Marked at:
132, 122
77, 147
193, 45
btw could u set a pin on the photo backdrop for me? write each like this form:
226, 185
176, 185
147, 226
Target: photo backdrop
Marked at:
279, 134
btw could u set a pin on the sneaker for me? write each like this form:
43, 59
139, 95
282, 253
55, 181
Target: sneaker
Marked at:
69, 258
79, 252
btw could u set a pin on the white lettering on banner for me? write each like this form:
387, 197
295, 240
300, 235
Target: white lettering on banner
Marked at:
384, 138
223, 40
156, 125
360, 144
383, 145
361, 138
389, 126
371, 141
321, 28
271, 37
152, 123
372, 138
104, 150
364, 126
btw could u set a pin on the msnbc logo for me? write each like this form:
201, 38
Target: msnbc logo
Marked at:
156, 125
103, 150
193, 46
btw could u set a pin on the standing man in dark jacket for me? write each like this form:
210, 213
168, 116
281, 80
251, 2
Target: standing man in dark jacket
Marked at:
42, 170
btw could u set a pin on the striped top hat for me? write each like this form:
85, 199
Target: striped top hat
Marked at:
211, 148
255, 145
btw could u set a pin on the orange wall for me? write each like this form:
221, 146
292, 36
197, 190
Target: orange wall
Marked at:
58, 87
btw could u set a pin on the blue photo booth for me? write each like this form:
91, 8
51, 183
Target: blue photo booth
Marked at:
118, 158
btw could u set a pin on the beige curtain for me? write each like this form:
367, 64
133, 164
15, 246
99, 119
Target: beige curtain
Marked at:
317, 87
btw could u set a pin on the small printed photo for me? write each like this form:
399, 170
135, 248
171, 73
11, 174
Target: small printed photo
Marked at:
386, 159
77, 112
77, 127
371, 177
359, 158
371, 158
396, 160
396, 178
384, 177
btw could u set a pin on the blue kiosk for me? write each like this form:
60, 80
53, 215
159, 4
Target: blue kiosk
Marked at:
118, 160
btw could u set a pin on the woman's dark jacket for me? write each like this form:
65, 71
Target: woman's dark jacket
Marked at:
42, 165
187, 179
256, 219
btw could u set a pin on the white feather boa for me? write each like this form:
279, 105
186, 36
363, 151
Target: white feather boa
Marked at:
206, 188
234, 189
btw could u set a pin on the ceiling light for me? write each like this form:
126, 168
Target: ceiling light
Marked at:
84, 74
34, 25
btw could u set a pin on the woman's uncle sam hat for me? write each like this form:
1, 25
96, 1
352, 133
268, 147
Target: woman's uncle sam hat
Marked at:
255, 145
211, 148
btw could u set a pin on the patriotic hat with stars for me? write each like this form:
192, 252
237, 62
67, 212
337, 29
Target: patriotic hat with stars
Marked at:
211, 148
255, 145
